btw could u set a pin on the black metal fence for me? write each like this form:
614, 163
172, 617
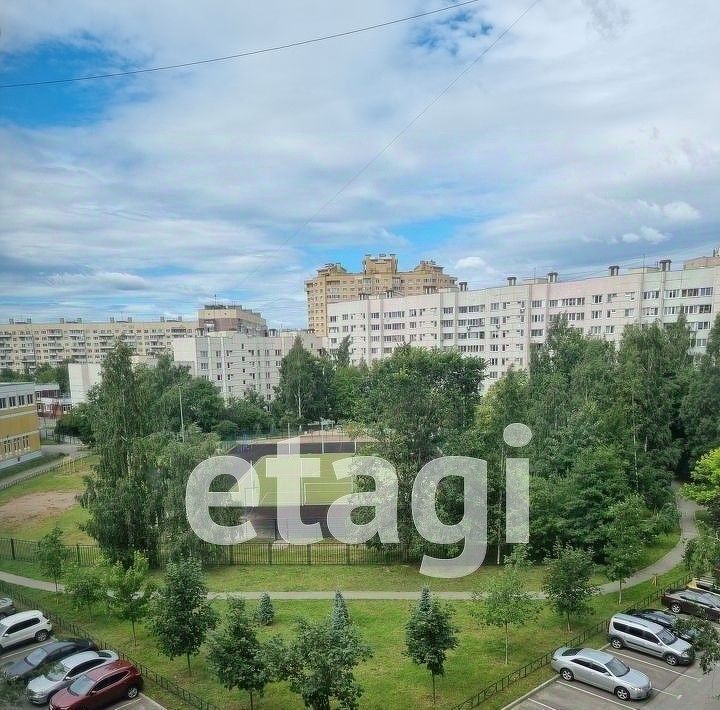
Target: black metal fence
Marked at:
474, 701
151, 677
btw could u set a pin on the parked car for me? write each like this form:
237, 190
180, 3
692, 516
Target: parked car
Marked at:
664, 618
63, 672
23, 627
100, 687
692, 602
625, 631
49, 653
704, 584
601, 670
6, 607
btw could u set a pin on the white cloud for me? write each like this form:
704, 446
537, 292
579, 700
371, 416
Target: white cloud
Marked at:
211, 180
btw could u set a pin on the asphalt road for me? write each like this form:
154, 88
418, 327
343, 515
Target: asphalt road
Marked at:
142, 702
673, 688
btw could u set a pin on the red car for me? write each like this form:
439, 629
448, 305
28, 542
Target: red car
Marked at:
100, 687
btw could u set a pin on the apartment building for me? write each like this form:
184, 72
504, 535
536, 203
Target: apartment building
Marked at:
19, 435
501, 324
237, 362
25, 345
380, 276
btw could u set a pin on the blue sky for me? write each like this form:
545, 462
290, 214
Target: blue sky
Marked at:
586, 136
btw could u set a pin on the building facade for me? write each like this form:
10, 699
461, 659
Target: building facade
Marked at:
19, 435
501, 324
238, 362
217, 317
380, 276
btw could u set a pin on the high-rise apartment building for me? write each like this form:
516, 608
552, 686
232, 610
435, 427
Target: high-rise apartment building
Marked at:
25, 345
501, 324
236, 362
379, 277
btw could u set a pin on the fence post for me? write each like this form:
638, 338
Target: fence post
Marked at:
12, 547
309, 553
347, 554
77, 552
269, 551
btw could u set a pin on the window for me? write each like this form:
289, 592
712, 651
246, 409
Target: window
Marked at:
538, 304
597, 298
651, 294
690, 292
537, 333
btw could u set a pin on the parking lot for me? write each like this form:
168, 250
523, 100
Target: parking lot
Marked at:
673, 688
140, 703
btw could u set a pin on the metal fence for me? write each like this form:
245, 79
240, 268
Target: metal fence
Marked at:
150, 676
68, 465
474, 701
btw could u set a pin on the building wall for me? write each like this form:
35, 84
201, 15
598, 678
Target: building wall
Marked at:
25, 345
214, 318
380, 275
501, 324
238, 362
82, 376
19, 435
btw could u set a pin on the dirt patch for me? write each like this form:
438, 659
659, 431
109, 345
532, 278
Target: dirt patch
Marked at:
36, 506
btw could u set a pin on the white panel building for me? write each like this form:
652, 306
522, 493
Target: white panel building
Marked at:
502, 323
237, 362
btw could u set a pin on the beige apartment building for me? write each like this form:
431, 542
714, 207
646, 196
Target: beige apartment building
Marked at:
25, 345
502, 324
380, 276
237, 362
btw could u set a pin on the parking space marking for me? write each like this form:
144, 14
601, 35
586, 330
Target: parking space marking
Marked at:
655, 665
127, 705
542, 705
595, 695
665, 692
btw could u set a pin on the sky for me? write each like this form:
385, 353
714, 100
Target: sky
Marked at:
588, 135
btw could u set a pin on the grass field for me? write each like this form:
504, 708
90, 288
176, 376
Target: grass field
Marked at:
389, 678
31, 508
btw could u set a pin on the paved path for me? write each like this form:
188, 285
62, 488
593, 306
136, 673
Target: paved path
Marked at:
688, 530
71, 454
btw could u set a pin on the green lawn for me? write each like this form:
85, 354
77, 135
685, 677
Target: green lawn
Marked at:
31, 508
27, 465
389, 678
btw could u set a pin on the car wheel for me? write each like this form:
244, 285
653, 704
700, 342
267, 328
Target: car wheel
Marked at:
567, 674
622, 693
671, 659
41, 636
132, 692
675, 608
616, 643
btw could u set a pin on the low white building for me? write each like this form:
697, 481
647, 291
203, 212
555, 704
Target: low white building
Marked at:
237, 362
502, 323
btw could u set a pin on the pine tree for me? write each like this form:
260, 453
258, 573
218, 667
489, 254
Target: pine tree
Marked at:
265, 613
340, 616
429, 634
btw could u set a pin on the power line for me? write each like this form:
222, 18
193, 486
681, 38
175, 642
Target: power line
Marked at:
403, 131
239, 55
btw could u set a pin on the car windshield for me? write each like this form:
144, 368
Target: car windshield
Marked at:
666, 637
3, 629
36, 657
617, 668
56, 672
81, 686
708, 599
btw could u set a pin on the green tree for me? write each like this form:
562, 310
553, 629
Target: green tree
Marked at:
235, 656
505, 602
226, 430
701, 403
702, 553
265, 613
301, 390
179, 614
567, 582
129, 590
76, 423
704, 486
52, 554
342, 354
706, 640
624, 533
429, 635
340, 615
84, 586
319, 664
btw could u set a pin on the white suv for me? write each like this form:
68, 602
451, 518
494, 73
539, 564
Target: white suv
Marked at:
23, 627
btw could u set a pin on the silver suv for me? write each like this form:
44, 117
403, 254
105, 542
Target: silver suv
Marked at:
627, 631
23, 627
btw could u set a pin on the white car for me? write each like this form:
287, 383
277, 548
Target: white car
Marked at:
24, 627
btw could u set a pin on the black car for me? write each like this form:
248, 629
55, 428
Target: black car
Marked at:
49, 653
664, 618
690, 601
6, 607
